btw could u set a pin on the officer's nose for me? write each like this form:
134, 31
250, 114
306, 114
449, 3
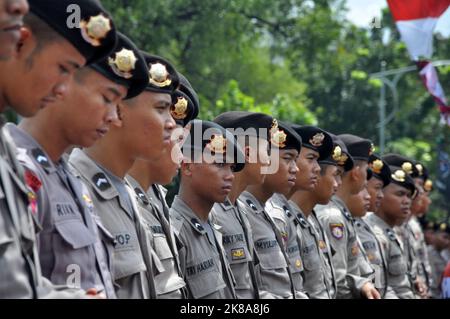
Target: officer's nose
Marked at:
17, 7
294, 168
111, 115
60, 90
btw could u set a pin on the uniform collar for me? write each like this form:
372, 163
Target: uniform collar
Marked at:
250, 201
96, 177
188, 214
141, 196
343, 208
227, 205
25, 141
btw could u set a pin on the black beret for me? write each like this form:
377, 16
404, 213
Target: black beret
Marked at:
380, 169
125, 66
340, 155
401, 161
211, 137
315, 139
185, 102
426, 224
369, 174
94, 38
421, 170
246, 123
163, 78
358, 147
400, 177
283, 136
442, 227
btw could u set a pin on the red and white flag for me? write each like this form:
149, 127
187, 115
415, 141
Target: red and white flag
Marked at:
415, 20
430, 79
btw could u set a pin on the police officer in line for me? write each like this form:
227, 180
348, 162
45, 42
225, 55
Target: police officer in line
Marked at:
272, 264
379, 178
394, 210
143, 130
306, 177
146, 178
354, 274
416, 268
70, 234
438, 260
415, 230
252, 133
62, 50
318, 149
210, 152
56, 51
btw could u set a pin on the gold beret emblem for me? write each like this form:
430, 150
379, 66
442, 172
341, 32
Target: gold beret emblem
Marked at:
95, 29
124, 63
338, 156
277, 136
419, 168
159, 76
178, 110
399, 176
428, 185
377, 166
337, 153
407, 167
317, 140
217, 144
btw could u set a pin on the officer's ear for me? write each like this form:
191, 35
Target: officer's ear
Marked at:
186, 168
247, 152
118, 122
27, 41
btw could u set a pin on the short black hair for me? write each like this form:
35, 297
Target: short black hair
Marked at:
43, 33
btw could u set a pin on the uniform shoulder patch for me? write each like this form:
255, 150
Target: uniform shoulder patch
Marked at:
197, 224
251, 204
337, 230
101, 181
141, 196
40, 157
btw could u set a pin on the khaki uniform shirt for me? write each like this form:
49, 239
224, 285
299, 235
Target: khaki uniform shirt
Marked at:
271, 262
202, 258
395, 255
351, 265
169, 283
237, 242
131, 268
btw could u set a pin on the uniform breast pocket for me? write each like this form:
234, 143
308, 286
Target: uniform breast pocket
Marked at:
127, 258
273, 259
163, 254
204, 278
310, 256
397, 266
73, 249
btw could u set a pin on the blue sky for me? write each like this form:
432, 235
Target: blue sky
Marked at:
362, 12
